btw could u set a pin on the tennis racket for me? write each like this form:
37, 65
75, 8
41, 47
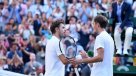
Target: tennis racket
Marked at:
68, 44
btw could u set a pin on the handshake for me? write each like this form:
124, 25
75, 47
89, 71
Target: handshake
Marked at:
79, 59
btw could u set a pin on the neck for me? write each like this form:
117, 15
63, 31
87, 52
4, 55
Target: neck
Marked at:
119, 2
57, 35
101, 30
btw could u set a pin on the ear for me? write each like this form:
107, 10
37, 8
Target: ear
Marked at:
98, 24
56, 29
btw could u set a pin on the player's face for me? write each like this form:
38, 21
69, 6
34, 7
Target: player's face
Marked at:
61, 30
119, 1
95, 26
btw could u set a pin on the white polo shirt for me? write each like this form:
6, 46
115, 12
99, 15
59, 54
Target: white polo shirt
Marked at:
104, 68
53, 65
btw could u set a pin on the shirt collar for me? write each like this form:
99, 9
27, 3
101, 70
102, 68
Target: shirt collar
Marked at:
121, 3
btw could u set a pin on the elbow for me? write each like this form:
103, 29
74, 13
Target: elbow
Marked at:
100, 58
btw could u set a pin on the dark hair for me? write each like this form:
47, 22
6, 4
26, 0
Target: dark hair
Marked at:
74, 18
14, 43
101, 20
56, 24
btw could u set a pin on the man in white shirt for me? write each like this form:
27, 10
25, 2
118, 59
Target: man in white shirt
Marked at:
55, 59
103, 50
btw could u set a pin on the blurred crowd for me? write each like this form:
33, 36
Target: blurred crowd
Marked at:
25, 29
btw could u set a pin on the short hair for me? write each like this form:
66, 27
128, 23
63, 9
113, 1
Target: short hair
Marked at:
14, 43
73, 17
102, 20
56, 24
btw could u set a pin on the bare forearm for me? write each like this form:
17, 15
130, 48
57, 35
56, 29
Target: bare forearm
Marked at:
91, 60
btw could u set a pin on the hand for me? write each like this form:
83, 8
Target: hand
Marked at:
73, 61
22, 48
84, 54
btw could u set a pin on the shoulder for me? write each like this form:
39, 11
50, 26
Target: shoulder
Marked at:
52, 40
127, 4
37, 64
10, 53
114, 3
19, 53
102, 35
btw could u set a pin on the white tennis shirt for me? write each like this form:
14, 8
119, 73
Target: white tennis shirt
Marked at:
53, 65
104, 68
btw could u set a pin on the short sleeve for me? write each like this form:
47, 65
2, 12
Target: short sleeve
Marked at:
10, 55
38, 65
99, 43
59, 49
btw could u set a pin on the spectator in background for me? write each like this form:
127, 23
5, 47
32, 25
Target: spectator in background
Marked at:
37, 23
96, 10
23, 8
84, 12
28, 6
30, 19
25, 50
25, 29
43, 17
1, 18
58, 13
37, 7
40, 56
4, 40
29, 15
14, 25
43, 41
61, 5
5, 11
105, 4
49, 21
72, 11
48, 9
15, 10
32, 65
84, 33
32, 44
45, 28
134, 8
73, 28
14, 59
3, 49
18, 39
8, 30
45, 31
121, 15
90, 45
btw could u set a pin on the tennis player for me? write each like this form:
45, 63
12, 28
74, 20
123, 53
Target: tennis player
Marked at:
103, 50
55, 59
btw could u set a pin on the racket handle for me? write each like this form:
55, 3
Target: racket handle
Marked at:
76, 71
